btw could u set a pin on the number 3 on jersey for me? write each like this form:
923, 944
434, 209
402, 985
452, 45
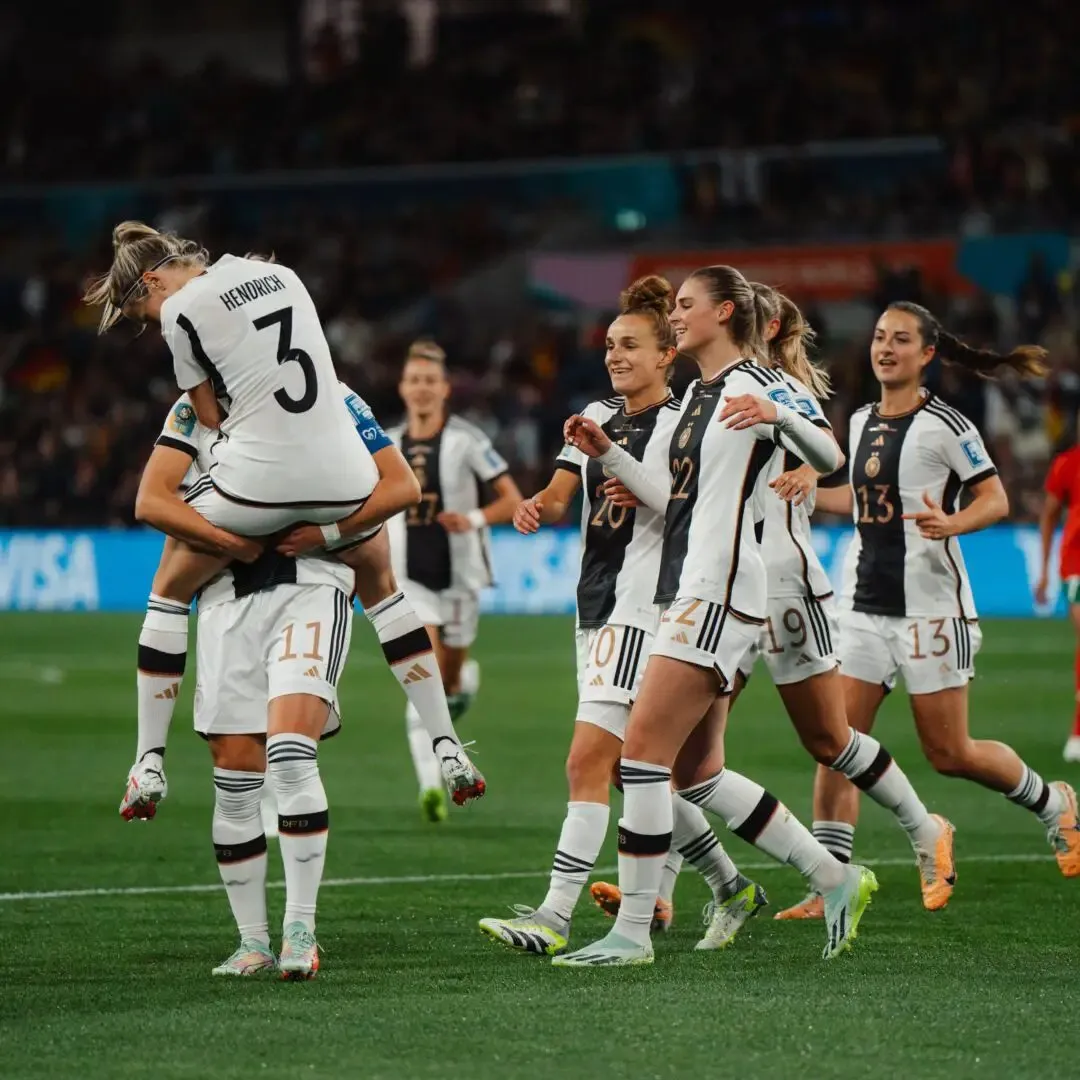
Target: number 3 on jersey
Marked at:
286, 353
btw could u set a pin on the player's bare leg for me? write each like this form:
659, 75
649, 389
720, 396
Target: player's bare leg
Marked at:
816, 708
941, 720
410, 654
295, 723
162, 659
240, 847
1071, 752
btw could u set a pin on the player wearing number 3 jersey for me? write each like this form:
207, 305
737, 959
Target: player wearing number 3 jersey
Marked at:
245, 332
907, 604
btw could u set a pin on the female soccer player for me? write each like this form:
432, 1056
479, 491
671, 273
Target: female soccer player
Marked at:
440, 547
1063, 490
907, 606
713, 586
181, 458
617, 621
796, 640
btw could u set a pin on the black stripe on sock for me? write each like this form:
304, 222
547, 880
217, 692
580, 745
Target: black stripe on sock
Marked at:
759, 817
1044, 797
866, 780
302, 824
156, 662
637, 844
699, 846
410, 644
233, 853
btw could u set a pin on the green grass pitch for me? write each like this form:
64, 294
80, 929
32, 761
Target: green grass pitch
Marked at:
118, 983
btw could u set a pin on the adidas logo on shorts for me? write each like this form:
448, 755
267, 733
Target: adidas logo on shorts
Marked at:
597, 680
681, 638
312, 672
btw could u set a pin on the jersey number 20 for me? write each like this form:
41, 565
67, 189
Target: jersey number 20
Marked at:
286, 353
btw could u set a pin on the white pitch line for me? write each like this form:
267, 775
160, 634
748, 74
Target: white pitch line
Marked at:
429, 879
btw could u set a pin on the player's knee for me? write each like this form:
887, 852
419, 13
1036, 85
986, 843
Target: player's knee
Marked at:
588, 767
824, 746
948, 759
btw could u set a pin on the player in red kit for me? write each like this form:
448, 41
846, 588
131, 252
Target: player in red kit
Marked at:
1063, 489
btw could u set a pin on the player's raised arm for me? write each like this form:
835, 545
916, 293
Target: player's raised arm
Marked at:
158, 504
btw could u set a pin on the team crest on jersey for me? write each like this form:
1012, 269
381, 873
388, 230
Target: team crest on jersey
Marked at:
684, 438
182, 419
974, 451
873, 466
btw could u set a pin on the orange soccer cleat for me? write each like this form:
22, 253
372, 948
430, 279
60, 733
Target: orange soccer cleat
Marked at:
810, 907
608, 898
937, 868
1065, 836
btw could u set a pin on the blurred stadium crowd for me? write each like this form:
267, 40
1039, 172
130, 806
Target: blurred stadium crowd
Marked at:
78, 414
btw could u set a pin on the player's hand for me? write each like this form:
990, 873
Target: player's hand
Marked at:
619, 494
933, 522
1042, 589
301, 540
527, 515
454, 523
747, 410
242, 548
586, 435
796, 485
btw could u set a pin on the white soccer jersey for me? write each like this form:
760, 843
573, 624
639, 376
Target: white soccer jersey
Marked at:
710, 550
451, 468
890, 569
182, 431
620, 556
252, 329
791, 564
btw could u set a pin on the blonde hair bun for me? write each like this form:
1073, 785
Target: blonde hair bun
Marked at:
131, 232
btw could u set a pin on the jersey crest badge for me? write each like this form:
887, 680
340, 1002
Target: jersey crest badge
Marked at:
182, 419
973, 451
873, 466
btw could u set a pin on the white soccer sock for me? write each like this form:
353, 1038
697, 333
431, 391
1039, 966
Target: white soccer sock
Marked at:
303, 821
240, 848
700, 846
407, 648
1034, 793
644, 842
760, 819
162, 657
871, 768
470, 677
428, 773
582, 836
837, 837
670, 874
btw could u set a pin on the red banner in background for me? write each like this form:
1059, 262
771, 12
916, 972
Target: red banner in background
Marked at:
833, 272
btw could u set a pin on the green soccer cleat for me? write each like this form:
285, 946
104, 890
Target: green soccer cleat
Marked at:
299, 953
250, 958
433, 805
726, 918
611, 951
526, 932
844, 908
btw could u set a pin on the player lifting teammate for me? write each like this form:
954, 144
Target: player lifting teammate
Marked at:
440, 546
616, 624
1063, 490
712, 584
907, 606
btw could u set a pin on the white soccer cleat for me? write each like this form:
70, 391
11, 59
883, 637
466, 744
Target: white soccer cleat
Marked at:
462, 778
724, 919
250, 958
146, 787
1071, 752
299, 953
611, 951
526, 932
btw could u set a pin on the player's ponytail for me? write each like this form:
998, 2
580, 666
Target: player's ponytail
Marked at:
137, 249
651, 297
1024, 359
792, 346
766, 311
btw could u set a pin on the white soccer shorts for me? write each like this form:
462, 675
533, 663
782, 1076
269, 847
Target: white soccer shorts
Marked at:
704, 634
797, 640
612, 662
291, 639
256, 519
930, 654
455, 611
